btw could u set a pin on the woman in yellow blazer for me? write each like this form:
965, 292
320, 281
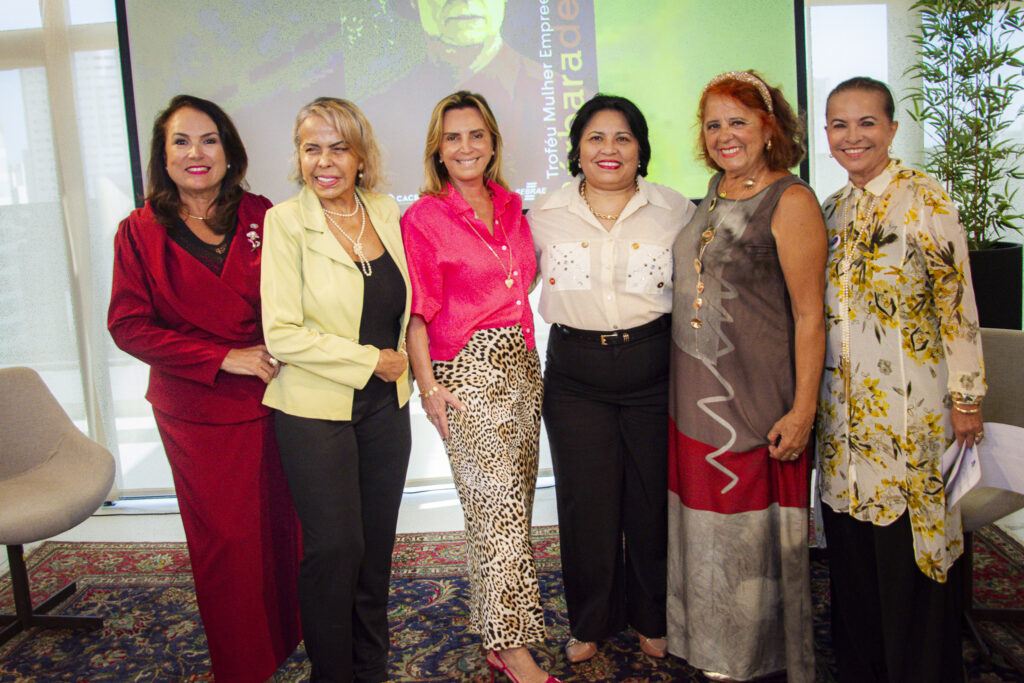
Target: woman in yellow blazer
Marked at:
336, 296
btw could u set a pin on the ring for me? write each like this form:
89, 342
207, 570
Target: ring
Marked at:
273, 361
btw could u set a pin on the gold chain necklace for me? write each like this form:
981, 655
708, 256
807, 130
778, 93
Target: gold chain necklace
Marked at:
605, 216
508, 278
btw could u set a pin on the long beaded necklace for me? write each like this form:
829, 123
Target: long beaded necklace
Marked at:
357, 243
605, 216
508, 278
706, 238
851, 237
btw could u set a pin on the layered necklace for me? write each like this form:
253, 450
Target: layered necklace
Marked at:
706, 238
851, 237
357, 243
508, 246
605, 216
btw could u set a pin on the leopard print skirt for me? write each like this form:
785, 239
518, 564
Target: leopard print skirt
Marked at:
493, 449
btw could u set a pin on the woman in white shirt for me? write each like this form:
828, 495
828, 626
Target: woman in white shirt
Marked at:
604, 248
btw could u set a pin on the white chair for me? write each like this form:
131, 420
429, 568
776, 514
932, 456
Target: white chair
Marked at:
52, 477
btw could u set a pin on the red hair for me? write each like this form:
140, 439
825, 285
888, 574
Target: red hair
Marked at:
786, 129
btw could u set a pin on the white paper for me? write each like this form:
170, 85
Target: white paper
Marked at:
962, 473
988, 480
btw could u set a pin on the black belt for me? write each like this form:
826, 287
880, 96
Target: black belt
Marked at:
614, 337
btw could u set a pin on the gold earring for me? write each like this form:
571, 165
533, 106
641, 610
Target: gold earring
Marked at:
768, 147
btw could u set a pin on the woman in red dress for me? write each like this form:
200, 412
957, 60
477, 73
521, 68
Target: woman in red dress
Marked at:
185, 300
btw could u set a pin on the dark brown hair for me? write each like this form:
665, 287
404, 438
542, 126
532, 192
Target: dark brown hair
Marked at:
163, 193
787, 129
867, 85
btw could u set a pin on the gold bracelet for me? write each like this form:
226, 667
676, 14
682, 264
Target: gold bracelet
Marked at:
965, 399
972, 409
436, 388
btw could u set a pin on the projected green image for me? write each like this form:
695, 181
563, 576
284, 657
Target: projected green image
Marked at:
535, 60
662, 54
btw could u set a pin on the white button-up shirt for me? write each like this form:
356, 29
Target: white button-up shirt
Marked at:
598, 279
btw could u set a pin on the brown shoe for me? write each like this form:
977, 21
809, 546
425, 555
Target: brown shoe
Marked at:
577, 651
653, 647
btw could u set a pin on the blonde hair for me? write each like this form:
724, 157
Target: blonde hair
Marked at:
348, 120
434, 172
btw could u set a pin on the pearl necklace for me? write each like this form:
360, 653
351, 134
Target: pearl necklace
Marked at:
357, 243
343, 215
604, 216
850, 237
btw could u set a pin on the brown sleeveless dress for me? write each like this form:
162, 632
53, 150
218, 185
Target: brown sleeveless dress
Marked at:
738, 578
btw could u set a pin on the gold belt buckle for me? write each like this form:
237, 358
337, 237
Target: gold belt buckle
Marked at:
604, 338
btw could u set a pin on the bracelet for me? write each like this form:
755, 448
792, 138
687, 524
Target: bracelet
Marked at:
966, 399
436, 388
971, 409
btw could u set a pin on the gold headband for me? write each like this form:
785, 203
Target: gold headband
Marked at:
749, 79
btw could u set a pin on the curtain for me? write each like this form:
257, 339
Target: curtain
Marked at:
65, 185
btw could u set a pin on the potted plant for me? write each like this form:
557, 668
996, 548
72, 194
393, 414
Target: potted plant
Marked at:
969, 72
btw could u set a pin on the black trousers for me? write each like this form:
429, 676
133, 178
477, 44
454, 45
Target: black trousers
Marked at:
346, 478
606, 415
890, 622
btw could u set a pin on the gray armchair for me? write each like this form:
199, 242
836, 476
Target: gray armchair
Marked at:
52, 477
1004, 403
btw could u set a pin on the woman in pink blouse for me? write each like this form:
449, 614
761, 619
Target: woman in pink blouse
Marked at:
471, 348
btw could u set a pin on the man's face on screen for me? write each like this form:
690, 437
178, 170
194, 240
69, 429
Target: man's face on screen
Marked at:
462, 23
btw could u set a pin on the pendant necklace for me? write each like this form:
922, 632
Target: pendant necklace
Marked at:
357, 243
508, 279
220, 248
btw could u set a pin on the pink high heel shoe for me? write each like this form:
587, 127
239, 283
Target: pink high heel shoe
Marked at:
501, 667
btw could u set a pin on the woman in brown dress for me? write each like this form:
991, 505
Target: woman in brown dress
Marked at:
749, 340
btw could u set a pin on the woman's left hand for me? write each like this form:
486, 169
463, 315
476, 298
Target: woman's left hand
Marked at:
391, 365
788, 437
966, 427
251, 360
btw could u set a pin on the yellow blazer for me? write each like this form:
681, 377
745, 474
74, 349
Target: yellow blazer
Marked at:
312, 296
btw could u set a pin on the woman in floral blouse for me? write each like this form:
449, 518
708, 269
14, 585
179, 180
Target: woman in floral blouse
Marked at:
903, 378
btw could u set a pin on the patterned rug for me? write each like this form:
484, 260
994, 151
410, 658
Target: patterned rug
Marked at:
152, 631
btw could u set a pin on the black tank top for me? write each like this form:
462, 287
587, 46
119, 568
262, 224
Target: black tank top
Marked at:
380, 325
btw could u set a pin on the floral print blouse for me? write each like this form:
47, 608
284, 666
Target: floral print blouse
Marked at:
902, 334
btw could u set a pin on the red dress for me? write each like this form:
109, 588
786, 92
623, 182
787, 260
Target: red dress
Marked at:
172, 312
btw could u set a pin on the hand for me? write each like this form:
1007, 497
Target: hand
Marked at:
967, 427
436, 407
788, 437
252, 360
391, 365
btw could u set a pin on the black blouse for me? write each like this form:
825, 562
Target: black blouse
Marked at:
381, 324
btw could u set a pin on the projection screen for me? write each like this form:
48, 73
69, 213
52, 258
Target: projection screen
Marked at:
535, 60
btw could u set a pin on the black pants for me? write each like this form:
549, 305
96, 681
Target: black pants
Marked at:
890, 622
346, 479
606, 415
